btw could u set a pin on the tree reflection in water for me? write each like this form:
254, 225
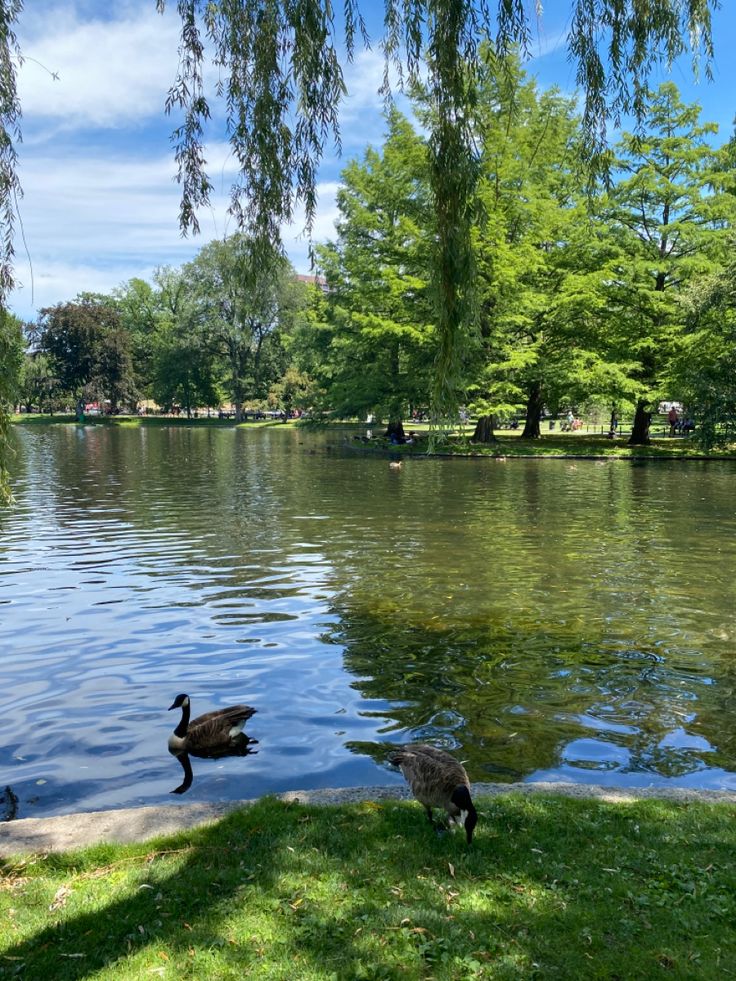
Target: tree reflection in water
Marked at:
515, 701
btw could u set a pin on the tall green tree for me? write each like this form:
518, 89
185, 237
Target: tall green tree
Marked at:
89, 348
141, 306
373, 350
540, 260
11, 359
241, 298
186, 365
704, 367
38, 386
672, 217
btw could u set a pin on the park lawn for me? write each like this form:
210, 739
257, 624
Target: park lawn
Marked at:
556, 445
136, 422
551, 887
507, 445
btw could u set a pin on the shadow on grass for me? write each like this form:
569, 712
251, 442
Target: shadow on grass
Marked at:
551, 887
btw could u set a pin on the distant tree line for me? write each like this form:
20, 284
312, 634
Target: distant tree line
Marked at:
213, 331
622, 295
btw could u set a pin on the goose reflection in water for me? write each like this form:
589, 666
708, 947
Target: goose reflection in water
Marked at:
243, 750
210, 736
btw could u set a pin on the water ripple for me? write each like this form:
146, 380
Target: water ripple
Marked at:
543, 622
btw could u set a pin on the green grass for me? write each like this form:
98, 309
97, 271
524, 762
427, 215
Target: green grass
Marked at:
551, 888
574, 445
508, 445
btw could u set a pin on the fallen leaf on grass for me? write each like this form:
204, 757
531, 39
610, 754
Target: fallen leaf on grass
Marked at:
452, 869
62, 894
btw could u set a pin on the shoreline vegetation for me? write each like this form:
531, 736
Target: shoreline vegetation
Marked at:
551, 887
508, 445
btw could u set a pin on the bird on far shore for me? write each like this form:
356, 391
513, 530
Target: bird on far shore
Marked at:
438, 780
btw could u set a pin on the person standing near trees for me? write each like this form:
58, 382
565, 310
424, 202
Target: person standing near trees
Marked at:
672, 418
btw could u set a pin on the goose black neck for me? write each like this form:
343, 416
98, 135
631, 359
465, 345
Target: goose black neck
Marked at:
181, 729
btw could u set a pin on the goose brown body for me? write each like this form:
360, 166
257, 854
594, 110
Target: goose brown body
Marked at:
437, 780
209, 734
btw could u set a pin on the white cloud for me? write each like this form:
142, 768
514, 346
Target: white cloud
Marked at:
361, 118
109, 71
100, 201
93, 223
55, 280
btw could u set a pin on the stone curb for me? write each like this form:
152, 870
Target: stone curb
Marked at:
132, 824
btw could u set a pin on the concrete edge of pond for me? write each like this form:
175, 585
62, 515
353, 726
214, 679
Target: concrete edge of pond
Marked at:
134, 824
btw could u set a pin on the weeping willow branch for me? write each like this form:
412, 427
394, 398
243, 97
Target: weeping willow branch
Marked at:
9, 193
9, 138
283, 84
281, 68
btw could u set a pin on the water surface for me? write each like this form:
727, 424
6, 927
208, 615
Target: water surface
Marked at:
545, 619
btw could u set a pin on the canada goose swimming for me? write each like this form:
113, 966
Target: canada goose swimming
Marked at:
209, 734
438, 780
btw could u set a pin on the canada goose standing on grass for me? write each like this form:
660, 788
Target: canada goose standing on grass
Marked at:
438, 780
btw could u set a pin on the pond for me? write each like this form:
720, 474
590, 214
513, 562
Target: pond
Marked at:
547, 620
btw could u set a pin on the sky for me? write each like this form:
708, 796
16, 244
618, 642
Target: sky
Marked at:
100, 203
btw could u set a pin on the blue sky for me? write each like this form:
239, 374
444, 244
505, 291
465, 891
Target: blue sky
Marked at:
100, 203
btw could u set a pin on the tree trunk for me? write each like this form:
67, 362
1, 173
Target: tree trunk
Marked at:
640, 429
395, 431
533, 412
484, 431
238, 411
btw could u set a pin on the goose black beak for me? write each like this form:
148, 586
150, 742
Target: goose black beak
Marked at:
171, 707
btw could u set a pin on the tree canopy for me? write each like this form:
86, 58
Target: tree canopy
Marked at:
282, 75
281, 72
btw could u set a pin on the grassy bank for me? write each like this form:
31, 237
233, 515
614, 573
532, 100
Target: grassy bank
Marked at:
551, 887
582, 445
507, 445
554, 445
135, 422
